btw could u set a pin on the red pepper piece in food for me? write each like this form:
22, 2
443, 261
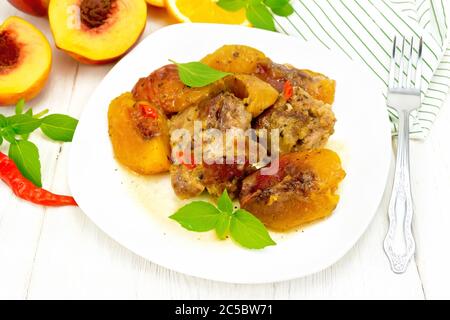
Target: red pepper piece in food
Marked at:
148, 111
288, 91
26, 190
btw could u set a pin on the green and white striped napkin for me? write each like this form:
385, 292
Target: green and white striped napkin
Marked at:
364, 30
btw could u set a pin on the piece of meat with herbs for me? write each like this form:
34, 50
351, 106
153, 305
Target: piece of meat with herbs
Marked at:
164, 88
302, 190
187, 181
184, 120
316, 84
303, 122
223, 112
218, 177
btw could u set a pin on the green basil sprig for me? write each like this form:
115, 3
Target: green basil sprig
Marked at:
241, 225
16, 130
260, 12
59, 127
197, 74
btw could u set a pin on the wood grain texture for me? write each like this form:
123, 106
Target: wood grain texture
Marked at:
60, 253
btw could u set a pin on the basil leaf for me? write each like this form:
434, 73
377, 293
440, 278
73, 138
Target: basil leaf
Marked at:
3, 121
23, 124
19, 106
231, 5
29, 112
197, 74
260, 16
224, 203
59, 127
26, 156
8, 134
284, 11
276, 3
248, 231
223, 225
198, 216
1, 140
38, 115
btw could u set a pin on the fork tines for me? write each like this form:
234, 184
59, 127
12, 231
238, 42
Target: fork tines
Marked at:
406, 64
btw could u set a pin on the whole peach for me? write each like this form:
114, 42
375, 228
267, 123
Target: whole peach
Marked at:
33, 7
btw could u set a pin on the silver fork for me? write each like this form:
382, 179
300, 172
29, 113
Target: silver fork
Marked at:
404, 96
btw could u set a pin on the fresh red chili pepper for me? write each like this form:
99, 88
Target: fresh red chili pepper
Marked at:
148, 111
288, 91
26, 190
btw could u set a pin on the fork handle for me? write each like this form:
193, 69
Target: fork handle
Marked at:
399, 244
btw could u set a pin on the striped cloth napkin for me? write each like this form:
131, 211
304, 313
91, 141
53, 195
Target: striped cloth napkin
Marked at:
364, 30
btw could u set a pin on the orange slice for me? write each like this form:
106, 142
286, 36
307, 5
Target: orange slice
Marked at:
156, 3
204, 11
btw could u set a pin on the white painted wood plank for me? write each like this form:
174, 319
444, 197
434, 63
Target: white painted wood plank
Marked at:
76, 260
21, 222
431, 183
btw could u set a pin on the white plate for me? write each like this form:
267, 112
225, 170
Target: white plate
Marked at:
134, 210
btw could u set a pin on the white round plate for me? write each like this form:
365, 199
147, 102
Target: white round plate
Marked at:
134, 210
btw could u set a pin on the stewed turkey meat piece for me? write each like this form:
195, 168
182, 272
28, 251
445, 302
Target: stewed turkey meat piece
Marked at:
303, 122
316, 84
223, 112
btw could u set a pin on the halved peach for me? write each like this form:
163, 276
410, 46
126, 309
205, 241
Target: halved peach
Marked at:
25, 61
97, 31
34, 7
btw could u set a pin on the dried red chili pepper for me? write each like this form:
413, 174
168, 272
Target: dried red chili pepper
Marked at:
26, 190
288, 91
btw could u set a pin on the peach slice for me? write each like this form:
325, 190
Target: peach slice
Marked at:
97, 31
34, 7
25, 61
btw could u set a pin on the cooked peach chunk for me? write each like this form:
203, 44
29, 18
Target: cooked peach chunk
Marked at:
164, 88
139, 135
248, 60
256, 94
235, 59
301, 191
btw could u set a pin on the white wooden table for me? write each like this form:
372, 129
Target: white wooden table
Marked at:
60, 253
